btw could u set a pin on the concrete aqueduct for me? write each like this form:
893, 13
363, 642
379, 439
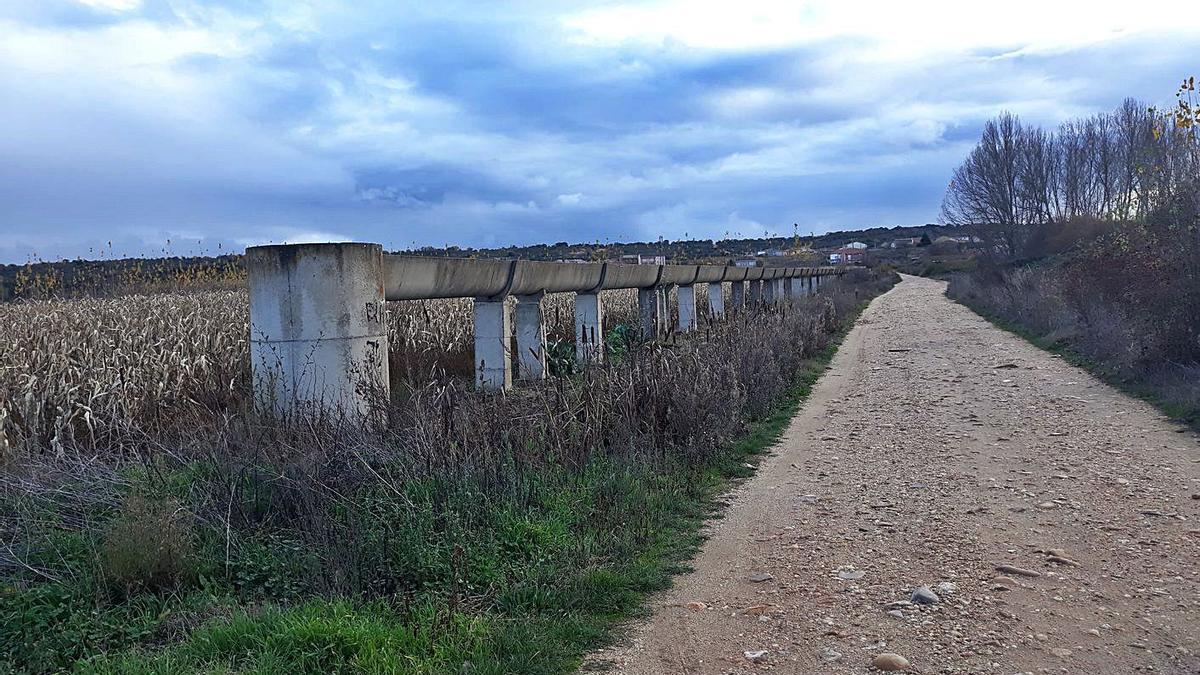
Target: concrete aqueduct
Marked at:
318, 327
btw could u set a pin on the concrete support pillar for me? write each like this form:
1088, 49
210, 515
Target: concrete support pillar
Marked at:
687, 308
755, 292
664, 310
816, 283
589, 328
650, 312
716, 301
737, 295
769, 295
318, 327
810, 285
531, 338
493, 330
778, 293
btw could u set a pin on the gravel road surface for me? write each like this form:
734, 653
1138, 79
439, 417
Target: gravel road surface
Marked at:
1053, 522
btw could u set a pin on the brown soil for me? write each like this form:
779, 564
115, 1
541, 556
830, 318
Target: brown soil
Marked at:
937, 448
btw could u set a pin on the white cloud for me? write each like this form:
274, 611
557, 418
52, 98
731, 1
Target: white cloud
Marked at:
895, 29
113, 5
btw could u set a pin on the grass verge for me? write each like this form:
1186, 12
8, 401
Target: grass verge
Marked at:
527, 580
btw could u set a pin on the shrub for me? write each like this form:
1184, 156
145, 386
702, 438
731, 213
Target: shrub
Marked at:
147, 547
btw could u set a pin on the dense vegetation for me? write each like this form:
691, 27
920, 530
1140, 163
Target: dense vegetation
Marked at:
1092, 242
482, 533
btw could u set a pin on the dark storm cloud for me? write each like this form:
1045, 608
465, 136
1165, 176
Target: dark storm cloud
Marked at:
237, 122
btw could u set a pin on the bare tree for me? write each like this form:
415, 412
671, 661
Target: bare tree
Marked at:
983, 194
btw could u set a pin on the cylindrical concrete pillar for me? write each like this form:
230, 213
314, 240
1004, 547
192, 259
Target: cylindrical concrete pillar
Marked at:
318, 327
589, 328
716, 301
531, 338
687, 308
493, 330
648, 312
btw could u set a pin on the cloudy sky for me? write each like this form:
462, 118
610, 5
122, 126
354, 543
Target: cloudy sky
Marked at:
233, 122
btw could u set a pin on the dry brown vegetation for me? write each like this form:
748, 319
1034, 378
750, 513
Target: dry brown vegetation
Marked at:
121, 374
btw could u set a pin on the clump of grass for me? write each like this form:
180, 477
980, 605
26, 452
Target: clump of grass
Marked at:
147, 547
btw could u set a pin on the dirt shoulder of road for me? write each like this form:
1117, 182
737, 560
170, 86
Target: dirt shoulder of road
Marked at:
1054, 521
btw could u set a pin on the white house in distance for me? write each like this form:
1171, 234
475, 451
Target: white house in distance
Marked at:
639, 259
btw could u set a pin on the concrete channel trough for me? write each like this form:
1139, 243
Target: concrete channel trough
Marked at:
318, 329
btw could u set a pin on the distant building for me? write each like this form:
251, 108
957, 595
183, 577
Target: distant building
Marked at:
638, 259
905, 242
571, 260
848, 256
856, 244
745, 261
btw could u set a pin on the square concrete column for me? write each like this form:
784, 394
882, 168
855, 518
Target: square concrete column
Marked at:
649, 317
769, 294
755, 292
589, 328
664, 310
716, 301
493, 330
687, 308
778, 292
810, 285
737, 294
531, 338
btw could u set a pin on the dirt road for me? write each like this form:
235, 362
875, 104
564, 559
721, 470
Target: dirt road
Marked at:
936, 449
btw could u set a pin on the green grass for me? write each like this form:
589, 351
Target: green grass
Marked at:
525, 580
1181, 413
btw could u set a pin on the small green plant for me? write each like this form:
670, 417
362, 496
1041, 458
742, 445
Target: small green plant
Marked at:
560, 358
272, 567
619, 340
147, 547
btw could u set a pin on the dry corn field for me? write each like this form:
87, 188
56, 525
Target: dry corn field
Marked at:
101, 374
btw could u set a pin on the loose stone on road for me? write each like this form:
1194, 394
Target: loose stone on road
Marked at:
951, 499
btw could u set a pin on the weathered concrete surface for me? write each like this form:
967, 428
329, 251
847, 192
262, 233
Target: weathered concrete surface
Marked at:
493, 329
531, 337
414, 277
716, 301
754, 292
936, 448
589, 328
737, 294
649, 314
686, 301
318, 335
